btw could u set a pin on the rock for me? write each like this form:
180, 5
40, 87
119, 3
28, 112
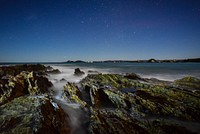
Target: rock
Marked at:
188, 82
99, 98
93, 72
78, 72
147, 99
72, 94
133, 76
22, 84
36, 114
63, 80
53, 71
115, 111
17, 69
109, 122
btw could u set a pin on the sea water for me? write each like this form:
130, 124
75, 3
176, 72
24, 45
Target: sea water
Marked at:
162, 71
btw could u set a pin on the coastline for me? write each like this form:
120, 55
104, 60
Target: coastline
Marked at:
93, 99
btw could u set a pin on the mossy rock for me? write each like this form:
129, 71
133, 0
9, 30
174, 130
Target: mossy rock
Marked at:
30, 114
189, 82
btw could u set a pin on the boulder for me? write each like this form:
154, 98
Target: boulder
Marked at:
78, 72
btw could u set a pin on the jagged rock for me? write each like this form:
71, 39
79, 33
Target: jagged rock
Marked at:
71, 93
99, 98
147, 99
78, 72
31, 114
22, 84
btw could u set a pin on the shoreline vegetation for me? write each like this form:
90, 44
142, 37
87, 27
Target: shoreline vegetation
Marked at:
195, 60
112, 103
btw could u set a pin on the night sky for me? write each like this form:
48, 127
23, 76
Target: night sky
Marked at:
59, 30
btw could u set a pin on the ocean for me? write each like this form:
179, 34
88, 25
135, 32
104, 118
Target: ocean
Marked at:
162, 71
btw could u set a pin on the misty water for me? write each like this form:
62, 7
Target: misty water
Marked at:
79, 118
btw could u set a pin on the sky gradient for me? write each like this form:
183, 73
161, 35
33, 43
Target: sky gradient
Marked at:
59, 30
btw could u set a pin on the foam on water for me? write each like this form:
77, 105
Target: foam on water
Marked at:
77, 116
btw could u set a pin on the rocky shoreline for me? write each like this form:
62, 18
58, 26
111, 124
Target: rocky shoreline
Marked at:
114, 103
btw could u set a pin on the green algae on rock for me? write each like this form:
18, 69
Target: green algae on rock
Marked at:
22, 84
33, 114
189, 82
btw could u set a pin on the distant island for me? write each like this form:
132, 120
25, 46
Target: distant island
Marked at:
195, 60
139, 61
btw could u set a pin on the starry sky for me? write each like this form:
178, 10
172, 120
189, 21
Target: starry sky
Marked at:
60, 30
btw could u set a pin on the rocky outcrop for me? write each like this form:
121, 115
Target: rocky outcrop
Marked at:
121, 104
189, 82
71, 93
17, 69
25, 104
133, 76
22, 84
115, 121
33, 114
78, 72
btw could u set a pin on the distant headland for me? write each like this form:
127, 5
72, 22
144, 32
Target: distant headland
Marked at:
152, 60
139, 61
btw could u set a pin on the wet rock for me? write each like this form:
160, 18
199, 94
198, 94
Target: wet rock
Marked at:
63, 80
133, 76
93, 72
99, 98
72, 94
53, 71
78, 72
30, 114
130, 101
